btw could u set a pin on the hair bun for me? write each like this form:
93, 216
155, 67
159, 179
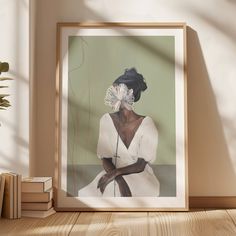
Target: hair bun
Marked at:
133, 80
132, 72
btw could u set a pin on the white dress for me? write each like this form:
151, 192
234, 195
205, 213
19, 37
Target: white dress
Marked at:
143, 145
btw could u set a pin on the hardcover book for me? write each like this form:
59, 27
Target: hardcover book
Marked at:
37, 197
36, 206
36, 184
38, 214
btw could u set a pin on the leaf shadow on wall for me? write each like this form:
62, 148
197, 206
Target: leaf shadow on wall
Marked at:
14, 152
44, 83
207, 146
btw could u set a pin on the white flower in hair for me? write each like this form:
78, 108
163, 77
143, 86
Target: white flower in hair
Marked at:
119, 95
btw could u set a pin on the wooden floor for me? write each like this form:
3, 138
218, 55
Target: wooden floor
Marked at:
197, 222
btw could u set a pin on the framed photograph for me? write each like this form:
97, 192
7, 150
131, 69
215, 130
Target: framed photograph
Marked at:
121, 117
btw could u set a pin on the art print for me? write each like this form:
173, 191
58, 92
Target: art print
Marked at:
121, 117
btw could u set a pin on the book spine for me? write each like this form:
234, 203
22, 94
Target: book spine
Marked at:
7, 210
14, 196
32, 184
19, 196
30, 187
2, 186
37, 197
36, 206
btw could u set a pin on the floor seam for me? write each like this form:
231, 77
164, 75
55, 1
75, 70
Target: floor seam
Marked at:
230, 217
74, 223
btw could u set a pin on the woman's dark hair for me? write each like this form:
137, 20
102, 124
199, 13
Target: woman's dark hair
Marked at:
133, 80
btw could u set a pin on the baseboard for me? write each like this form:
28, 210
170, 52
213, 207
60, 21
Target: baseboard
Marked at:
212, 202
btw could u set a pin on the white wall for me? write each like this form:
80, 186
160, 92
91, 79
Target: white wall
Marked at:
211, 79
14, 48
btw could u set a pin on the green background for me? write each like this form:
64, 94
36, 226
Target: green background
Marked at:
94, 63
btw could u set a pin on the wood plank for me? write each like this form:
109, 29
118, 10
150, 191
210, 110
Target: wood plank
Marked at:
90, 222
179, 223
232, 214
10, 227
222, 224
204, 223
57, 224
111, 223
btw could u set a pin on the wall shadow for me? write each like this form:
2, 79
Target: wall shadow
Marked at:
207, 144
14, 154
73, 11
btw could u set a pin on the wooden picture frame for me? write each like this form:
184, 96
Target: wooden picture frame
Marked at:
90, 56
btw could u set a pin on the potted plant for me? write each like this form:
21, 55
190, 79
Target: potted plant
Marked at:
4, 103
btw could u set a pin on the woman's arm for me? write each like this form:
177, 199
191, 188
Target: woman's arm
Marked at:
107, 164
137, 167
123, 186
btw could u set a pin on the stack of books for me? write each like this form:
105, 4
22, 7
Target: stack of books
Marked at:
10, 195
36, 197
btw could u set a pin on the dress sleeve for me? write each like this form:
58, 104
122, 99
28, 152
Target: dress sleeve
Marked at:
148, 142
103, 147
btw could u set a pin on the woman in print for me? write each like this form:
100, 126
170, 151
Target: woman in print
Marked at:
127, 144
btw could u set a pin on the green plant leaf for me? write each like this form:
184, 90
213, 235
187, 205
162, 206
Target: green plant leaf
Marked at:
4, 67
4, 103
5, 78
4, 95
